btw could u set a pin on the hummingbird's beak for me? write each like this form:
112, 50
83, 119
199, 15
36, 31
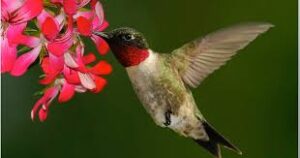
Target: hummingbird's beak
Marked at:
104, 35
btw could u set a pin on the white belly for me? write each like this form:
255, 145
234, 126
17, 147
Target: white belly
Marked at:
144, 80
143, 77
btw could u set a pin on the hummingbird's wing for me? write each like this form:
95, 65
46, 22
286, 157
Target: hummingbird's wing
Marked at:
199, 58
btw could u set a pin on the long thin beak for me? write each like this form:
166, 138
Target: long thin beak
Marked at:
102, 34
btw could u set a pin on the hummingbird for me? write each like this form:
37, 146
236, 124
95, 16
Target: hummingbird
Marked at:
163, 81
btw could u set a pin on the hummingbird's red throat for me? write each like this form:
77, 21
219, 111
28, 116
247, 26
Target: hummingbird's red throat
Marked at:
130, 56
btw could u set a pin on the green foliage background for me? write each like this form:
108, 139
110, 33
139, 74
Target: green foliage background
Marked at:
252, 100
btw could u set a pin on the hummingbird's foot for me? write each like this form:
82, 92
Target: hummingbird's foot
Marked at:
168, 118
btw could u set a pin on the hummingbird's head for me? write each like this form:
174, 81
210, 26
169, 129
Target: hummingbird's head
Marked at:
128, 45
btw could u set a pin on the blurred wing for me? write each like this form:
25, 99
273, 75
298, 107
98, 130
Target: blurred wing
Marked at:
197, 59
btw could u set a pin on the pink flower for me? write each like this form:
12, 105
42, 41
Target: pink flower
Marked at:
24, 61
77, 77
14, 17
71, 6
50, 25
15, 14
12, 37
43, 103
15, 36
76, 71
67, 92
61, 44
57, 43
51, 71
90, 21
19, 11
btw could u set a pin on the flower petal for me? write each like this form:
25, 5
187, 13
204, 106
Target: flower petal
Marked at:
99, 12
100, 84
48, 96
89, 58
79, 55
60, 19
69, 61
101, 45
8, 55
10, 6
43, 114
46, 66
51, 66
37, 106
82, 3
86, 81
62, 44
80, 89
56, 63
57, 49
50, 28
42, 17
4, 13
86, 14
70, 6
15, 36
101, 68
79, 50
66, 93
49, 78
101, 27
84, 26
24, 61
99, 23
14, 31
93, 3
71, 75
30, 41
29, 10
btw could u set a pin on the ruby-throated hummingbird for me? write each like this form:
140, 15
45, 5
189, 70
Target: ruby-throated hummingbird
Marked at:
162, 81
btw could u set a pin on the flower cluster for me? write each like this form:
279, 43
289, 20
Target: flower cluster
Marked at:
50, 33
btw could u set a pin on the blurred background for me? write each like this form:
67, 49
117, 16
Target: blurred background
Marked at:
252, 100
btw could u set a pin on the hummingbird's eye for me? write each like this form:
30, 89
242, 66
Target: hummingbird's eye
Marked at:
127, 37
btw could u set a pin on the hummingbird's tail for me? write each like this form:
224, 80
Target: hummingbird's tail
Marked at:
214, 142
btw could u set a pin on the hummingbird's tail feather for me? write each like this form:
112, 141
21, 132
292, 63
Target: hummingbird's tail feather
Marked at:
215, 140
212, 146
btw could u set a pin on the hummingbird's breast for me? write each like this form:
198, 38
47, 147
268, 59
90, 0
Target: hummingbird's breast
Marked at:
145, 81
161, 90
